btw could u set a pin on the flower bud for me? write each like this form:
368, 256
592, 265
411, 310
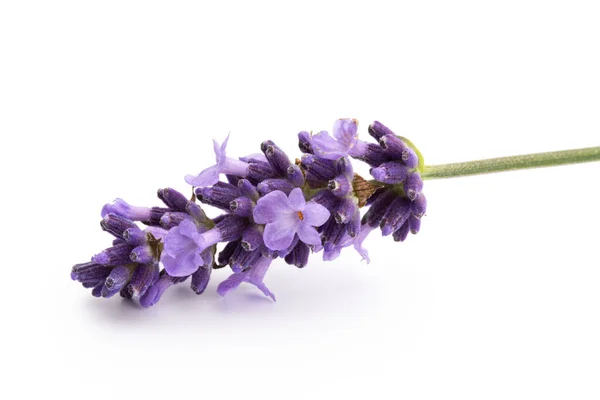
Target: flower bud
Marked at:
248, 189
171, 219
115, 224
345, 210
295, 175
220, 195
277, 158
390, 172
242, 206
116, 281
378, 209
173, 199
270, 185
413, 185
251, 239
116, 255
142, 254
378, 130
298, 256
397, 213
340, 186
259, 171
143, 277
401, 234
419, 206
304, 142
200, 279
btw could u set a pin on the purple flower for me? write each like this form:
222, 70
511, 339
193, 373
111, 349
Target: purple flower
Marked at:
188, 246
184, 244
344, 141
287, 216
254, 275
224, 165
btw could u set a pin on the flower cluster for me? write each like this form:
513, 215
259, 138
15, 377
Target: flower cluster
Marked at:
271, 208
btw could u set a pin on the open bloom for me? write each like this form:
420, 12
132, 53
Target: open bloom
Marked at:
344, 141
182, 255
287, 216
224, 165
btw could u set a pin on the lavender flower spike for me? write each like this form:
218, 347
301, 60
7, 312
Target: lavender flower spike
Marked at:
272, 207
344, 141
287, 216
224, 165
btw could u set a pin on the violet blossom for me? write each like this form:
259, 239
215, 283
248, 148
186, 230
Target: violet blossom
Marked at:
344, 141
287, 216
224, 165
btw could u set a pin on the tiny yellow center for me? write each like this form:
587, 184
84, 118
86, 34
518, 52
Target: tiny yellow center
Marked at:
301, 216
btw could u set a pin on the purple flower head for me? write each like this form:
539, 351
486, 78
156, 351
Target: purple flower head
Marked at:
253, 275
182, 254
224, 165
344, 141
265, 215
287, 216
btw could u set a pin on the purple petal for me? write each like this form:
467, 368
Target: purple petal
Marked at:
220, 153
280, 234
297, 200
263, 288
182, 264
230, 283
315, 214
189, 229
308, 234
325, 146
208, 177
217, 150
272, 207
177, 243
177, 266
257, 273
345, 131
181, 255
360, 238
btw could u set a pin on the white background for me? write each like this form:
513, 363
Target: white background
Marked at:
498, 296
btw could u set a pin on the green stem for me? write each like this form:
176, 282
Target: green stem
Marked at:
511, 163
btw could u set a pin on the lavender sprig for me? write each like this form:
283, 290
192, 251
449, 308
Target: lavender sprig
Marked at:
275, 208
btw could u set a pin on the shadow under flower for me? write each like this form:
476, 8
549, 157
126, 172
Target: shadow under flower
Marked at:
319, 293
